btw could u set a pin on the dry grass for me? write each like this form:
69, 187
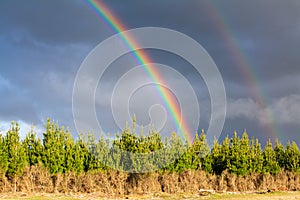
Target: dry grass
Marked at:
37, 180
93, 196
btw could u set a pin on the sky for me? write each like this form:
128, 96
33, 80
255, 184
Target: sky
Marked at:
254, 44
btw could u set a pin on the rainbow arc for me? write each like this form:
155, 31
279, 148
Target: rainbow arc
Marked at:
114, 23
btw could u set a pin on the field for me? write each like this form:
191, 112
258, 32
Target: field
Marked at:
243, 196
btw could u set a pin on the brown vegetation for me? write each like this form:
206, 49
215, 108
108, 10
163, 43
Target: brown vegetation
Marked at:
113, 183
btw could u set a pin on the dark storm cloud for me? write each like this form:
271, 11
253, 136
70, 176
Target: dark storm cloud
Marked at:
266, 33
10, 103
54, 21
37, 83
44, 42
271, 29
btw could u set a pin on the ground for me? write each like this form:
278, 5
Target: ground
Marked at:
267, 196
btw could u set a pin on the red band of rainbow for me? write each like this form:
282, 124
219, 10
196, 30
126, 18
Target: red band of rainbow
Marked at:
143, 59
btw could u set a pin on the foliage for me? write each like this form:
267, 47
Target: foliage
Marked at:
60, 153
271, 165
16, 156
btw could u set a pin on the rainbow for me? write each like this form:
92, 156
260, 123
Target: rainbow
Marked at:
241, 60
111, 20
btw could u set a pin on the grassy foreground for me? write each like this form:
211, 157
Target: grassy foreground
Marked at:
267, 196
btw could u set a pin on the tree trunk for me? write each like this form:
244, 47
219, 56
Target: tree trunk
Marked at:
54, 182
15, 184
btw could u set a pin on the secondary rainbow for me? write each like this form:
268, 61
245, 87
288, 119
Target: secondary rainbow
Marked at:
110, 19
241, 60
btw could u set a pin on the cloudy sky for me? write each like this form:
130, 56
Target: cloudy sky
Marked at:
255, 45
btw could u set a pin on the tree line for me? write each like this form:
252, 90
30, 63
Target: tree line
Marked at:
60, 153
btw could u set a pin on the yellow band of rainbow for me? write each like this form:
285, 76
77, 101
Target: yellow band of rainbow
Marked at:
143, 59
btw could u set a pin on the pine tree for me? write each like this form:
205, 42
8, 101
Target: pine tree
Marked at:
92, 163
234, 157
54, 153
243, 166
3, 158
219, 159
199, 153
280, 154
102, 152
69, 165
270, 163
80, 154
256, 157
33, 148
292, 156
176, 150
15, 153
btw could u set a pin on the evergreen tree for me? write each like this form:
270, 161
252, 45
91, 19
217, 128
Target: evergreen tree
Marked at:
235, 158
69, 164
270, 163
102, 152
243, 156
80, 154
54, 152
219, 159
292, 156
3, 158
196, 155
176, 149
15, 153
256, 157
33, 148
280, 154
92, 162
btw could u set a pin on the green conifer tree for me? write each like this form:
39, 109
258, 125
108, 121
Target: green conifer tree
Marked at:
256, 157
15, 153
54, 153
69, 165
80, 154
270, 163
33, 148
292, 156
3, 157
280, 154
219, 160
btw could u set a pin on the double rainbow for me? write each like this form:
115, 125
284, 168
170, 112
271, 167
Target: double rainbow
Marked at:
143, 59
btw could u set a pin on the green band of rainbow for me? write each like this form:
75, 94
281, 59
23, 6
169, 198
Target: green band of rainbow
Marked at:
143, 59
